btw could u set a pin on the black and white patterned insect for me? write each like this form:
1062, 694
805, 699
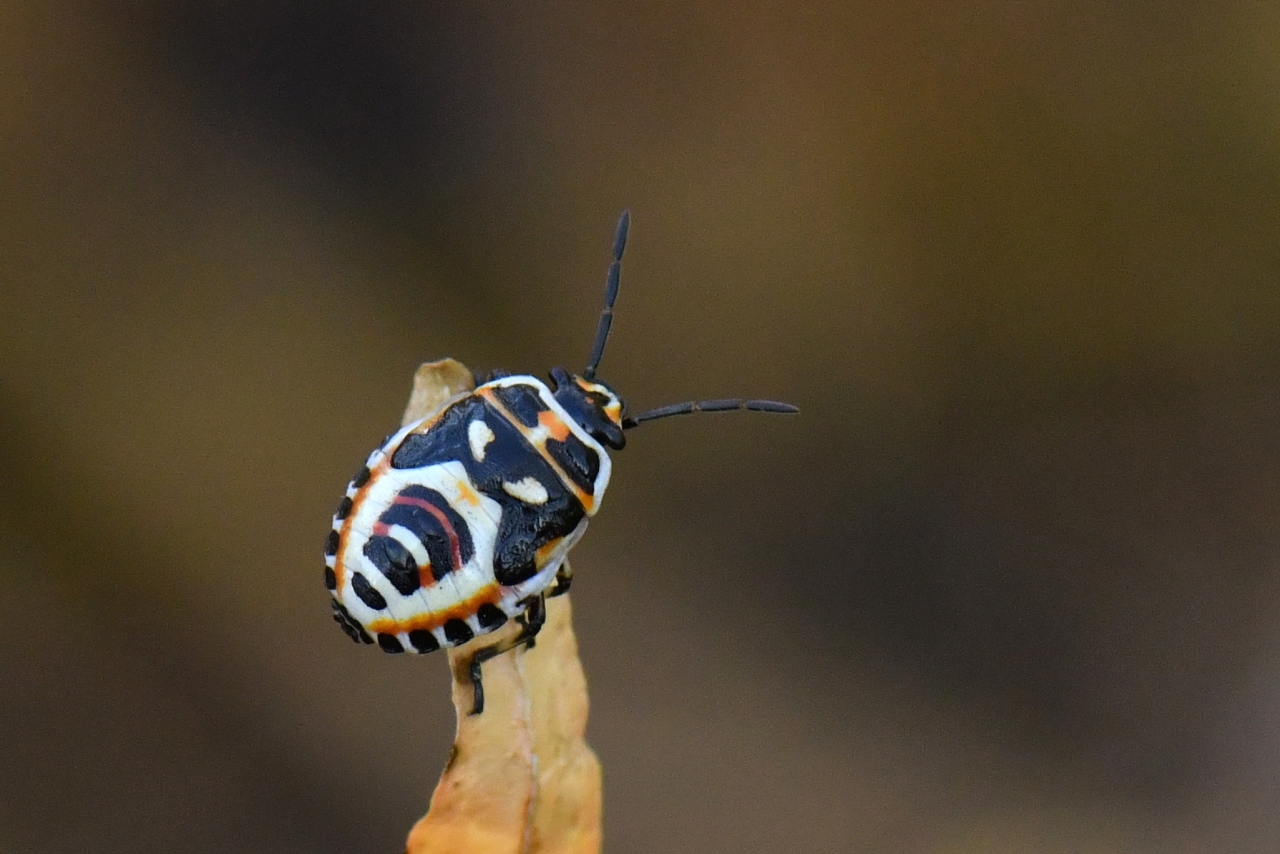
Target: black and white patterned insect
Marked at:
462, 521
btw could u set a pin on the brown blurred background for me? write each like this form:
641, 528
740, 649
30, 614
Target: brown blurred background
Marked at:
1007, 585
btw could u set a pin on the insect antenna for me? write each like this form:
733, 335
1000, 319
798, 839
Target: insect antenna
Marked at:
610, 295
732, 405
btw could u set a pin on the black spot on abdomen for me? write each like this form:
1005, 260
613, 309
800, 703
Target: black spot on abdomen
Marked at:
458, 632
490, 616
394, 561
423, 640
367, 594
348, 624
390, 643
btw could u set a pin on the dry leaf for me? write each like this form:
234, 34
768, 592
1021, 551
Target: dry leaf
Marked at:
521, 778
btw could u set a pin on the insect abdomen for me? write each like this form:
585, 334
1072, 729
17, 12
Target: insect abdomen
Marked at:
454, 524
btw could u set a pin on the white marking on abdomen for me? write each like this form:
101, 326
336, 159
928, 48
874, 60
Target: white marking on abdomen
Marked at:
528, 490
479, 436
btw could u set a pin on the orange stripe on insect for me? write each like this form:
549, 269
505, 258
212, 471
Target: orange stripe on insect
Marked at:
487, 595
543, 554
467, 494
554, 425
357, 500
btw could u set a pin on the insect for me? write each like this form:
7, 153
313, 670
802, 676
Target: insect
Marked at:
462, 521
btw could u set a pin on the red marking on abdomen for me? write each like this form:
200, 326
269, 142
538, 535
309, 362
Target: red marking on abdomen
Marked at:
455, 548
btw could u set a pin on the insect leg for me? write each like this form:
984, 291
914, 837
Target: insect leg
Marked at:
530, 621
480, 657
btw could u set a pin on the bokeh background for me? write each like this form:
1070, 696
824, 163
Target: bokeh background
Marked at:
1009, 584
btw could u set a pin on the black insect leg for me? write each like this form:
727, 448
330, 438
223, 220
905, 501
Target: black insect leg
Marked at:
564, 578
531, 621
481, 656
